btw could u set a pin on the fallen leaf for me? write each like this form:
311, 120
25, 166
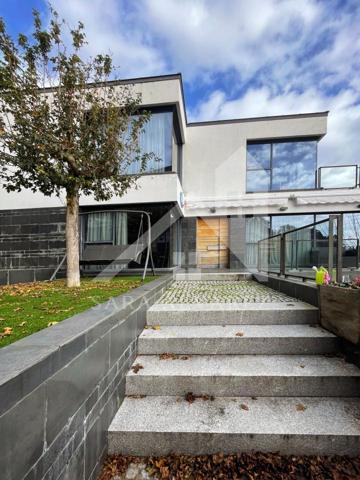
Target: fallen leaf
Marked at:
244, 407
156, 327
22, 324
50, 324
239, 334
7, 331
190, 397
135, 368
207, 397
302, 366
300, 407
253, 398
168, 356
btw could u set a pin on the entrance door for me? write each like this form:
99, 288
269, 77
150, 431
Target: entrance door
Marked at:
212, 242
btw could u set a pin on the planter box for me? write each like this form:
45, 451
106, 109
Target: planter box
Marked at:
340, 311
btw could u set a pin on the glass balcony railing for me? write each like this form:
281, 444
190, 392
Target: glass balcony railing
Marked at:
338, 176
295, 252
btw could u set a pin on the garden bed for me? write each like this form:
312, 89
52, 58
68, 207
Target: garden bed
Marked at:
244, 466
26, 308
340, 311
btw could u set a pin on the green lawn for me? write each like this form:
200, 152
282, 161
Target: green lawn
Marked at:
26, 308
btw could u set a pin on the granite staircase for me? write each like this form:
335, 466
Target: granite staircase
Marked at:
238, 377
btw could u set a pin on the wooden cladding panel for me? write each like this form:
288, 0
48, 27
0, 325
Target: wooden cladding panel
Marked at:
212, 240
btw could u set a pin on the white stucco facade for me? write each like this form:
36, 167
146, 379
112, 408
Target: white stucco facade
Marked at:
213, 165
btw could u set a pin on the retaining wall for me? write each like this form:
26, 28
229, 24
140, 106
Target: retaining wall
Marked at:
61, 387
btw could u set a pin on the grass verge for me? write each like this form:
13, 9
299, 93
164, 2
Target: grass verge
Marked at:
26, 308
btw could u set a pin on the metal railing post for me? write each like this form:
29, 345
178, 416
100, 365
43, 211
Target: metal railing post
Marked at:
282, 254
331, 244
340, 234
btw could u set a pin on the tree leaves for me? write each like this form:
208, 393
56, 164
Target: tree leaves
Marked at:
190, 397
136, 367
241, 466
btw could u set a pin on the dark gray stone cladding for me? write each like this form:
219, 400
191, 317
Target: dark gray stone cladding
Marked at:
32, 243
61, 387
188, 242
237, 243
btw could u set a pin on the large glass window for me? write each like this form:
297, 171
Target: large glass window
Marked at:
107, 227
285, 165
156, 138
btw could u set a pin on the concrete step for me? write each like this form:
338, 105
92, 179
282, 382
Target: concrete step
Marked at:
244, 375
280, 313
231, 276
227, 339
303, 426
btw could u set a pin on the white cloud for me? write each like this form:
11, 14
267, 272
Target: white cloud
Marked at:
340, 146
252, 58
110, 28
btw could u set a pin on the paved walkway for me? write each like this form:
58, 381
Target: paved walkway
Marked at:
219, 291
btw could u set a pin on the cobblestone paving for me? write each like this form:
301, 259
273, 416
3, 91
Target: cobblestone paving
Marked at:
221, 291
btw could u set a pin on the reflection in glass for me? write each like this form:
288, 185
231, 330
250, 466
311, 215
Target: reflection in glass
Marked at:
258, 156
338, 177
258, 181
284, 223
294, 165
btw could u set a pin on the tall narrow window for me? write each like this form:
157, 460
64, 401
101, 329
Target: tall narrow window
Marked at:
258, 167
156, 138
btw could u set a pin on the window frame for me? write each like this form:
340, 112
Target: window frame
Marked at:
175, 133
271, 142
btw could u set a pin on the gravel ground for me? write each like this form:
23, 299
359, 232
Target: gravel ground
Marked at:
245, 466
220, 291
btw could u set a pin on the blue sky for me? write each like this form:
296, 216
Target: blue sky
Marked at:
239, 58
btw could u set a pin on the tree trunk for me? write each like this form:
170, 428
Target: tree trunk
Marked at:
72, 240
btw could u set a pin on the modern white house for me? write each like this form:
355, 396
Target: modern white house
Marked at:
216, 189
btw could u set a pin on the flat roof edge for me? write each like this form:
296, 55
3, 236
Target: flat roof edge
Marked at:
126, 81
257, 119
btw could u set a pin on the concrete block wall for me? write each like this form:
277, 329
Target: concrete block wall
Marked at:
32, 243
61, 387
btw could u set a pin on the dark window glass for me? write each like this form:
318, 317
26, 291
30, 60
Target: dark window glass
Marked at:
156, 138
294, 165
